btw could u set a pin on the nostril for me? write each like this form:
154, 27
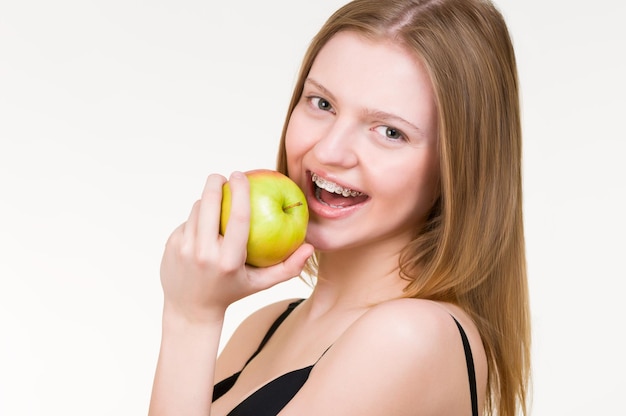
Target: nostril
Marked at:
335, 151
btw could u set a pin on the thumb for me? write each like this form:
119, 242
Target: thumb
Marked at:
286, 270
294, 264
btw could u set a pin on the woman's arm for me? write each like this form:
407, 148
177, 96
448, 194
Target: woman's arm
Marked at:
202, 273
183, 383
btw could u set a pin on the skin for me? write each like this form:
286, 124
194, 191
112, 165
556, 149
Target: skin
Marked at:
358, 96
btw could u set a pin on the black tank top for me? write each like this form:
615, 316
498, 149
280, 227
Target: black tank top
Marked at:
270, 399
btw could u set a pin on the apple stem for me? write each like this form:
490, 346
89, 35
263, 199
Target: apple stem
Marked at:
295, 204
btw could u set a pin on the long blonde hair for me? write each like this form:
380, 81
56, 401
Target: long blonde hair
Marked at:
471, 251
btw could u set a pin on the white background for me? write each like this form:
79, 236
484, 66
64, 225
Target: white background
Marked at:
113, 112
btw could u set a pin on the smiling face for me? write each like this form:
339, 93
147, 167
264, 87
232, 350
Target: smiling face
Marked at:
362, 144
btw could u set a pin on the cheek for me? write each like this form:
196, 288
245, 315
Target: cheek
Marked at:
419, 192
430, 187
295, 149
434, 176
298, 139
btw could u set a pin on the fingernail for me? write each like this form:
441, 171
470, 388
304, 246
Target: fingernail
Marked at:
237, 175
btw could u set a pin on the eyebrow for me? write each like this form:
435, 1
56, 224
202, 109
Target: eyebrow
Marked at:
320, 87
383, 115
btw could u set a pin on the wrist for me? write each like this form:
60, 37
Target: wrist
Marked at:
174, 317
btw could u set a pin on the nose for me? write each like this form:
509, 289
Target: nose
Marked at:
337, 145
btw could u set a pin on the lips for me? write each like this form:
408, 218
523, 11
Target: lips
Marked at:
334, 195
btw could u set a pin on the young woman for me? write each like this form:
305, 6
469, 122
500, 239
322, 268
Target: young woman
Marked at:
410, 108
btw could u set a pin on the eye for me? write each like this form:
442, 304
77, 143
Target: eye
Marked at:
390, 133
321, 103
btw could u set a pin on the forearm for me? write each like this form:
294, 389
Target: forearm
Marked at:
202, 273
183, 383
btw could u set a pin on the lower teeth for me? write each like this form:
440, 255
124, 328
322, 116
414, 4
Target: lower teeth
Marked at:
318, 196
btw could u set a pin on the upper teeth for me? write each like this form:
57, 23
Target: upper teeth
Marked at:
333, 187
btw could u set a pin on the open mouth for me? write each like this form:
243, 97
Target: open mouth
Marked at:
335, 196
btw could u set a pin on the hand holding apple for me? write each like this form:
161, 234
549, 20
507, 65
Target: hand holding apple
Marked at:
279, 217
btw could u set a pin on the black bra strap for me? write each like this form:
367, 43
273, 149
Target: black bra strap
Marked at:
470, 368
274, 327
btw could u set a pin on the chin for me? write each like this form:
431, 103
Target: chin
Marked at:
330, 242
320, 241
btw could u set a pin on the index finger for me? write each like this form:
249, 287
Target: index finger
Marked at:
208, 218
238, 227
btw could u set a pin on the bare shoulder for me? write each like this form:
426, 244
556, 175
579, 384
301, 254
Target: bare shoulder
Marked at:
402, 357
247, 337
425, 324
423, 331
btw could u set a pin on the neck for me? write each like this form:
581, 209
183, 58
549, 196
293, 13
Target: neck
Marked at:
356, 279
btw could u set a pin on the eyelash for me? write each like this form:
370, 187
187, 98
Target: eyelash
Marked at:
316, 105
400, 136
312, 100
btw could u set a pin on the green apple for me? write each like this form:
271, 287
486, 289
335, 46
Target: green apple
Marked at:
279, 216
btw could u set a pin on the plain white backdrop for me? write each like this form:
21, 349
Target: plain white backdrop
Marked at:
113, 112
